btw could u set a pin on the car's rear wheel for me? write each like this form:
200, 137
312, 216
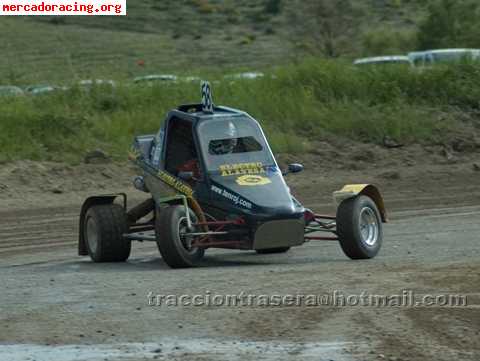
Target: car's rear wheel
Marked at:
103, 229
273, 250
359, 227
173, 240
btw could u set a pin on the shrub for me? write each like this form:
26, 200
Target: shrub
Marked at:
273, 6
204, 6
385, 41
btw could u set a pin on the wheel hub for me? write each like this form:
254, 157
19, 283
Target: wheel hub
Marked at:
369, 227
184, 237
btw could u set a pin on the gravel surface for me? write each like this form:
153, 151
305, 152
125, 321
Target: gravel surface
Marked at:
57, 306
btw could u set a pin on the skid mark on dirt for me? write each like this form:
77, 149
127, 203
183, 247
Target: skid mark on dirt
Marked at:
31, 231
193, 349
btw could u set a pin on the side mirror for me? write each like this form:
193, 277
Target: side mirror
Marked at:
186, 176
294, 168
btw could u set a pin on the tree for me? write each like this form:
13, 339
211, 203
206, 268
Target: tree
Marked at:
324, 24
450, 23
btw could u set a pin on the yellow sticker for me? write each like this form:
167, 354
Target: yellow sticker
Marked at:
241, 168
175, 183
253, 180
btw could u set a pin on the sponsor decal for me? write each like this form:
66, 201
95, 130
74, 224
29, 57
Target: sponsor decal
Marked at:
175, 183
253, 180
241, 169
235, 199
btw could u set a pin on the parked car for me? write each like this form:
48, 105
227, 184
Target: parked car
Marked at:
42, 89
10, 90
156, 78
384, 60
248, 76
89, 83
443, 56
417, 57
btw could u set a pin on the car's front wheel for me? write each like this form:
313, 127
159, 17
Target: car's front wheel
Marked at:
173, 239
359, 227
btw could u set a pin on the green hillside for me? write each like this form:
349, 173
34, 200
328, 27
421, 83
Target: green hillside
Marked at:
187, 36
312, 92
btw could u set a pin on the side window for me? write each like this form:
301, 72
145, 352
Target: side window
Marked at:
180, 146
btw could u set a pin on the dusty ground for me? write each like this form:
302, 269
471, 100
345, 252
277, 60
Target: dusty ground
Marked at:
55, 306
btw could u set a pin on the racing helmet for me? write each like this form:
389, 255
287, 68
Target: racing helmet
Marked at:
227, 139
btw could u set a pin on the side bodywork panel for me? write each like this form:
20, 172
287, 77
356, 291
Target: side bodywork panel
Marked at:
353, 190
90, 202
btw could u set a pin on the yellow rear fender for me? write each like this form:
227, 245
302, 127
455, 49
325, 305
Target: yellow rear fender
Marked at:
354, 190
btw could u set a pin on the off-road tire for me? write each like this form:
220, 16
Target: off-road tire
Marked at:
273, 250
109, 223
169, 243
351, 222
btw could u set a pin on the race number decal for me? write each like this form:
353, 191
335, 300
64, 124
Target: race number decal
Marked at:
207, 99
253, 180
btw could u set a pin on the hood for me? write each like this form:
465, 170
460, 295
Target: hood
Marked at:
260, 195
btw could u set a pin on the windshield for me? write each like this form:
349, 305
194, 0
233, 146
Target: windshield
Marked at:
233, 142
447, 57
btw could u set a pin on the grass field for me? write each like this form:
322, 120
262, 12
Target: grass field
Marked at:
301, 104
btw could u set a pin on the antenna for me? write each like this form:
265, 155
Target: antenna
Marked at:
207, 99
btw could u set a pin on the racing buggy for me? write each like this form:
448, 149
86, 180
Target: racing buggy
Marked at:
213, 182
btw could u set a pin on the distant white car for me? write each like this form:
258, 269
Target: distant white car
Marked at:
88, 83
248, 76
417, 57
10, 91
42, 89
156, 78
384, 60
443, 56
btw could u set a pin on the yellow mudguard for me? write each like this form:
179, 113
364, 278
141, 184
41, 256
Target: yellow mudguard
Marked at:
353, 190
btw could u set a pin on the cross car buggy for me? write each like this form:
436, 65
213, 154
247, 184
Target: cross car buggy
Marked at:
214, 183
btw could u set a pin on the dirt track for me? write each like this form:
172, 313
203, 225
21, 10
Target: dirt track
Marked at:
57, 306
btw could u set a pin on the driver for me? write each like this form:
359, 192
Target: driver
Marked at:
227, 140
